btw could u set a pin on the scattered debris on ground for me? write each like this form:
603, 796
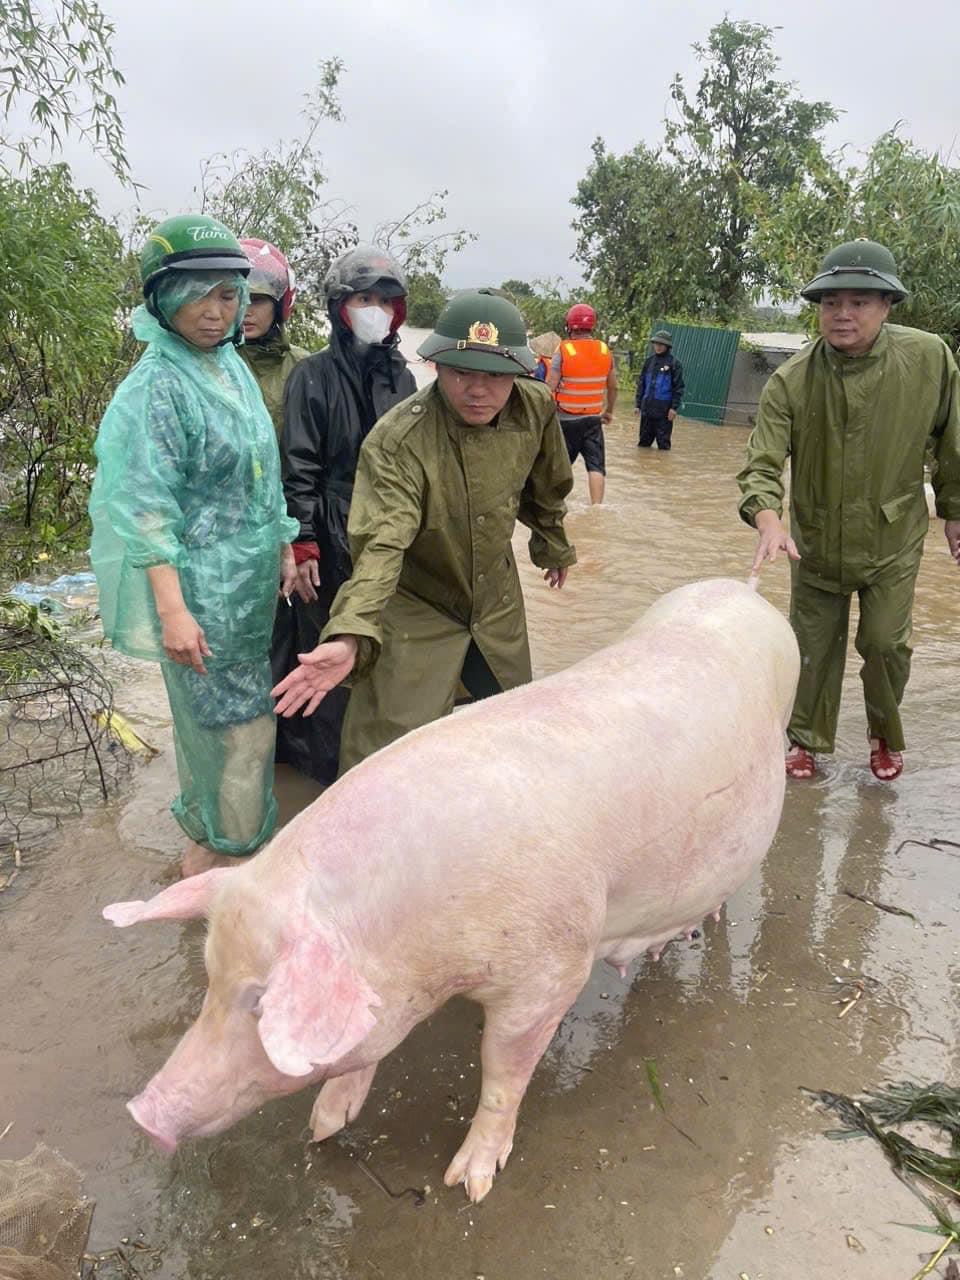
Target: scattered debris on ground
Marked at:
44, 1217
877, 1116
881, 906
62, 745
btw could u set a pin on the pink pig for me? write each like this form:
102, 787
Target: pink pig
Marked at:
497, 854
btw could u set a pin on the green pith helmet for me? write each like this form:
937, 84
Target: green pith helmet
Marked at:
479, 330
663, 336
189, 242
859, 264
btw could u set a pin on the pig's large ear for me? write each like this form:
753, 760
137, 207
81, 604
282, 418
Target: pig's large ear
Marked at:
316, 1007
185, 900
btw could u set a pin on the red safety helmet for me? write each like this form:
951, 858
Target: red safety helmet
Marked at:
582, 316
271, 274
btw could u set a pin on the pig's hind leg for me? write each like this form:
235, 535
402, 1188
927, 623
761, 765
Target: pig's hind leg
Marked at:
515, 1035
339, 1102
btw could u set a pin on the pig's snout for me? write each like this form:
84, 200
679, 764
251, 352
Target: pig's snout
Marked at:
144, 1112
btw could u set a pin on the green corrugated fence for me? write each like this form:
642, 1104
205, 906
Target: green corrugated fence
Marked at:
707, 355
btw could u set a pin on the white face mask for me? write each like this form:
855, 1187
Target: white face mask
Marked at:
369, 324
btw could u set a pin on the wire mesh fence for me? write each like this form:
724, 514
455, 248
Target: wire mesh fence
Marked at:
58, 754
44, 1217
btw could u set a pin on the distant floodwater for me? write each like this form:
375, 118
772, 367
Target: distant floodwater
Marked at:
410, 339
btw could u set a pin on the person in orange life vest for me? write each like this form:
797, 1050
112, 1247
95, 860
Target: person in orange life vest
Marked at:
584, 382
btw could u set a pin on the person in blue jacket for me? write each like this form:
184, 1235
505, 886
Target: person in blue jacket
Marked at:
659, 393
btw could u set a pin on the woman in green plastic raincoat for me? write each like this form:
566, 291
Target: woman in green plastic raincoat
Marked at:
191, 537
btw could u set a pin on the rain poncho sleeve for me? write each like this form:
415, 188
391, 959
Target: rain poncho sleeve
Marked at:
945, 471
304, 462
761, 480
149, 516
385, 518
542, 505
188, 475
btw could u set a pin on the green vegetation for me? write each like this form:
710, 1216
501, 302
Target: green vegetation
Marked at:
741, 201
907, 199
545, 303
279, 195
743, 140
60, 65
673, 231
65, 285
68, 275
877, 1115
736, 203
426, 299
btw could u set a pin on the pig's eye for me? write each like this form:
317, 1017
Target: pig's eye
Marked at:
248, 999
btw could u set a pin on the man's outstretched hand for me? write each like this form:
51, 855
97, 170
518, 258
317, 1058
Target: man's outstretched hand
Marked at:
773, 538
319, 671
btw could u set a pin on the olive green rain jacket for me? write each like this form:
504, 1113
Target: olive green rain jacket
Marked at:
857, 431
271, 362
434, 507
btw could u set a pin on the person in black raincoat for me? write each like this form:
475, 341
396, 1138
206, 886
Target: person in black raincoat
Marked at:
332, 401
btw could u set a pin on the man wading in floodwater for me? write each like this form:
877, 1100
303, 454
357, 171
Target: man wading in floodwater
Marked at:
583, 379
855, 411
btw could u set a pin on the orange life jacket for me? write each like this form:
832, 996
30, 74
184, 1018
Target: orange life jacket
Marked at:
584, 368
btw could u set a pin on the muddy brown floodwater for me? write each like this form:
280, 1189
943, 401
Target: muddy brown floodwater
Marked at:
600, 1183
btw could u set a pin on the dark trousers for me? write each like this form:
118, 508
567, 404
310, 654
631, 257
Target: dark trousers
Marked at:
308, 743
655, 426
478, 679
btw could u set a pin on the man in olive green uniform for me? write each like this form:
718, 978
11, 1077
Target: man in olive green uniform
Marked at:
442, 479
855, 411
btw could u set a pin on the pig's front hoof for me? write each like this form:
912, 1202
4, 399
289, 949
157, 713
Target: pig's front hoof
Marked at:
324, 1121
477, 1162
477, 1188
339, 1102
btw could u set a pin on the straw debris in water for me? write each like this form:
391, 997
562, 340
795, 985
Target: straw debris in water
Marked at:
877, 1114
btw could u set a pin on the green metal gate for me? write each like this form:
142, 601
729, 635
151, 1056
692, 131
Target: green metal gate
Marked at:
707, 355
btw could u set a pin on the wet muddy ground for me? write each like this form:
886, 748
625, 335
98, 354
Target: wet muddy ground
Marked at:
735, 1178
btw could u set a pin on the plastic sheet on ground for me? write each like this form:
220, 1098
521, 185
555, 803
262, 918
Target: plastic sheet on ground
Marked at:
68, 592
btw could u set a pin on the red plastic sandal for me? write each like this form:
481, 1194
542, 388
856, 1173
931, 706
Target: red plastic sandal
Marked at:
891, 762
800, 762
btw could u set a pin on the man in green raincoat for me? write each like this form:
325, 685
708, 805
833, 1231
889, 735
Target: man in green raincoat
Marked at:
856, 411
442, 479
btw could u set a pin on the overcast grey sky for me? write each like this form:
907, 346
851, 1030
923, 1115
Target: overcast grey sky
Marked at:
498, 102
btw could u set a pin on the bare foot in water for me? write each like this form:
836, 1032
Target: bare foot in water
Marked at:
197, 859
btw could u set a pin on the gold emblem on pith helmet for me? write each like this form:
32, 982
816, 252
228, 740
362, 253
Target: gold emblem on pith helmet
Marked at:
482, 331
